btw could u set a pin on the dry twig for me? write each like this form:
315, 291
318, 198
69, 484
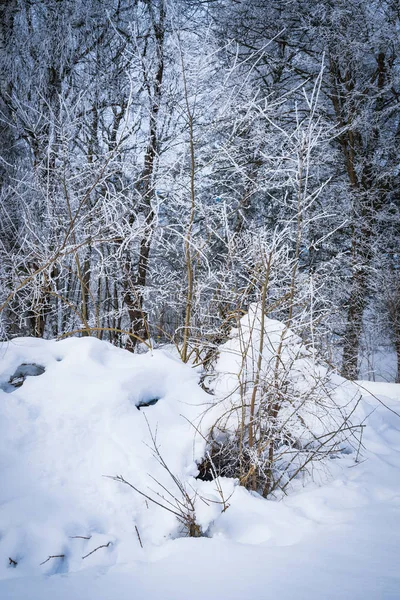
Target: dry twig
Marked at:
98, 548
53, 556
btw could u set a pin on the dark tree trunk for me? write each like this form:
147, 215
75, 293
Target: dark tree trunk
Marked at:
135, 283
356, 305
398, 358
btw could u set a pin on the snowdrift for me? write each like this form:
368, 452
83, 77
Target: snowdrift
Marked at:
79, 419
78, 412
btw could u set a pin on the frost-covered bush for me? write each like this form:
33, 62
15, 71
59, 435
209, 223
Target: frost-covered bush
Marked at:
279, 409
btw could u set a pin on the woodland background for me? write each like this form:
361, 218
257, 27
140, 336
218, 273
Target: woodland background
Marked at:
164, 164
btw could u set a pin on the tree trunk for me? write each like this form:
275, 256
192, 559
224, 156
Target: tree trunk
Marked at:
356, 304
398, 359
135, 284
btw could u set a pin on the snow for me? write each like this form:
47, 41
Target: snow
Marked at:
63, 430
379, 363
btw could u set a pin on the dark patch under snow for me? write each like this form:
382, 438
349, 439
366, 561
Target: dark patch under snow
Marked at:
22, 372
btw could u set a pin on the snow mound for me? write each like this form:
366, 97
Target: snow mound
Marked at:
72, 420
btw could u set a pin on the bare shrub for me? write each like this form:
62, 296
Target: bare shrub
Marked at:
181, 499
283, 410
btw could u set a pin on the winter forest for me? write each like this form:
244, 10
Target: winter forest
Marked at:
164, 164
205, 193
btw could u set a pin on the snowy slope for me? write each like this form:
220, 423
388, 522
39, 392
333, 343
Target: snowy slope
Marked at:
62, 430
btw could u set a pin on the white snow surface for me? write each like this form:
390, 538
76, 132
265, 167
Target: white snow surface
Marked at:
62, 431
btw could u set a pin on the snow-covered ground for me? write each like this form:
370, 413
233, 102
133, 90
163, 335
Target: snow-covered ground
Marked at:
66, 428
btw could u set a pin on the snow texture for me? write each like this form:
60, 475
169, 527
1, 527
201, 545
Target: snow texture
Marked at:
63, 430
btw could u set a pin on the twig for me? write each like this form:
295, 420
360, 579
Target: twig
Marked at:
80, 537
376, 398
359, 445
122, 480
53, 556
138, 534
12, 562
98, 548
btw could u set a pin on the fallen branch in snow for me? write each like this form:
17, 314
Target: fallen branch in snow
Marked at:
80, 537
98, 548
12, 562
53, 556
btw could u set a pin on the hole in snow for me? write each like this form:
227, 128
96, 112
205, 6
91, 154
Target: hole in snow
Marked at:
146, 402
22, 372
149, 390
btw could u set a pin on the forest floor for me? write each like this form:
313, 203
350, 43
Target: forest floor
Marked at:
338, 539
